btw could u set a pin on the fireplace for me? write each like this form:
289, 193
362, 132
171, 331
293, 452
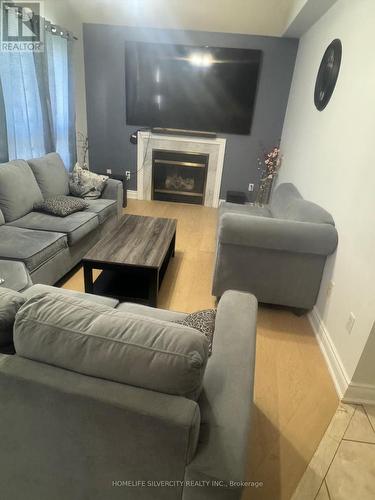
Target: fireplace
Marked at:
200, 150
179, 176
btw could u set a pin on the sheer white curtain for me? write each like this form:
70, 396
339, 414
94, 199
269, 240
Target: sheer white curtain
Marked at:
22, 106
60, 91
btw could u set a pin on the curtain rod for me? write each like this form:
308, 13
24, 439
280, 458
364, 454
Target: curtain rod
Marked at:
54, 28
57, 30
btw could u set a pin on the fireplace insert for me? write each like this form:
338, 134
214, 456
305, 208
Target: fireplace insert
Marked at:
179, 176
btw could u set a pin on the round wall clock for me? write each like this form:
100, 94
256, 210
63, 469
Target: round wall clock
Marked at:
327, 74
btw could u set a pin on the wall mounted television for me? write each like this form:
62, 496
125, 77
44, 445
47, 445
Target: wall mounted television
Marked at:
193, 88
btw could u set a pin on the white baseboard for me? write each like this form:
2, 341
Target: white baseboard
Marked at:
347, 391
335, 366
360, 394
132, 195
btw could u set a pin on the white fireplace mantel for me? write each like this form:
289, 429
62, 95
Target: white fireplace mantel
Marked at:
215, 148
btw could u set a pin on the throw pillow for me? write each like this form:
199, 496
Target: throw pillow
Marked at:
86, 184
203, 321
61, 205
18, 190
51, 175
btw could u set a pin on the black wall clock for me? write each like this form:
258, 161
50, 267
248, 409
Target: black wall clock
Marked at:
327, 74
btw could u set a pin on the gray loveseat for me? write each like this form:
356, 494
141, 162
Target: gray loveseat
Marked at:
49, 246
277, 252
88, 412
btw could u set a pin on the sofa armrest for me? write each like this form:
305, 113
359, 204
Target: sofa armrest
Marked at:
277, 234
113, 190
226, 400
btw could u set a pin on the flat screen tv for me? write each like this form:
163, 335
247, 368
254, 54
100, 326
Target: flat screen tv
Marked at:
192, 88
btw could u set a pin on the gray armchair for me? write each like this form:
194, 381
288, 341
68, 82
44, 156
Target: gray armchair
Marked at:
276, 252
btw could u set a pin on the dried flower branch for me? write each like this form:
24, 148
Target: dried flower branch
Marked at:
83, 148
268, 165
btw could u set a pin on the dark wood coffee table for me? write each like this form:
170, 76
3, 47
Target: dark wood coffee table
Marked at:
133, 258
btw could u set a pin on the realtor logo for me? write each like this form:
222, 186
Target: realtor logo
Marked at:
22, 27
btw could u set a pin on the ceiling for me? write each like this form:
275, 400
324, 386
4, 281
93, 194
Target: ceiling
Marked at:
256, 17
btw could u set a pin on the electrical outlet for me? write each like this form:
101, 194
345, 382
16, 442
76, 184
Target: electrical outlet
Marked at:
109, 171
251, 187
127, 175
350, 323
330, 287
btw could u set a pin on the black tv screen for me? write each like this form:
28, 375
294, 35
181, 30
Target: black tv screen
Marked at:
192, 88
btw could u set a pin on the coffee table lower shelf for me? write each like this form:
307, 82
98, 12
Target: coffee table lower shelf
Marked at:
127, 283
125, 286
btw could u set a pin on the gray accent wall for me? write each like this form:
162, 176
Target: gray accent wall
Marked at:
109, 146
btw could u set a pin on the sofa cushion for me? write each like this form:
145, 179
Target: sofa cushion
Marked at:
75, 226
38, 289
102, 342
61, 205
282, 197
103, 208
288, 204
31, 247
235, 208
307, 211
10, 302
51, 174
151, 312
19, 190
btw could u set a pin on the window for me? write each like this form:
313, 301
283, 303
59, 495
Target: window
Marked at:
37, 112
23, 112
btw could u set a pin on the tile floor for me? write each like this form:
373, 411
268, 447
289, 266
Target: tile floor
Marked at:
343, 466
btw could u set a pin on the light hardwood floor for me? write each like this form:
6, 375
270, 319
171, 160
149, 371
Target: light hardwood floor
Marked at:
294, 398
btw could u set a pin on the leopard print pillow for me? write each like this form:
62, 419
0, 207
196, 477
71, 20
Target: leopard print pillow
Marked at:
61, 205
203, 321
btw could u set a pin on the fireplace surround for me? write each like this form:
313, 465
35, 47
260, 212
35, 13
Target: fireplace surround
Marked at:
202, 150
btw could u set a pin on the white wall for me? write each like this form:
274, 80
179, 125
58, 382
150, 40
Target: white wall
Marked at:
303, 14
61, 13
295, 9
365, 371
255, 17
329, 155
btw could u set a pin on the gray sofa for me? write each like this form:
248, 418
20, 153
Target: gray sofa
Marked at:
72, 426
277, 252
49, 246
